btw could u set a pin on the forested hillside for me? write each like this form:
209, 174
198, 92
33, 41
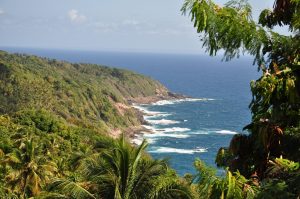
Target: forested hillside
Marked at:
81, 94
55, 122
54, 119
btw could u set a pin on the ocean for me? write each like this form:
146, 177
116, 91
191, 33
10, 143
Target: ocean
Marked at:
183, 129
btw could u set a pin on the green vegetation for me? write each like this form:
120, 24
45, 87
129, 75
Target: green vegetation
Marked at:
55, 117
77, 162
275, 129
54, 126
82, 94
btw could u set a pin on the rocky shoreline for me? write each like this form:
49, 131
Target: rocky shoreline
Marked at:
156, 98
134, 131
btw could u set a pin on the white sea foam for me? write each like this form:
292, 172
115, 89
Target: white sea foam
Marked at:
151, 128
175, 150
227, 132
139, 107
172, 135
173, 132
163, 122
147, 112
174, 129
196, 99
150, 140
139, 139
176, 101
165, 130
146, 117
201, 132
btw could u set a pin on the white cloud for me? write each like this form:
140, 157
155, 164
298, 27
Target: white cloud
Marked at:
75, 17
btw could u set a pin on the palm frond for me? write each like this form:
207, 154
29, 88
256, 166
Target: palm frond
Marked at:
70, 188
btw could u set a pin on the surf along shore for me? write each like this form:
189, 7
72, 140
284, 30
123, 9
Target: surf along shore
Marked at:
145, 127
150, 119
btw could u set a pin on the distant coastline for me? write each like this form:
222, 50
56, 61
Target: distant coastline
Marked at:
158, 97
180, 128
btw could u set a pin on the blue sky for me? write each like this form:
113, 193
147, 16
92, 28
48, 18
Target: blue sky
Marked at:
106, 25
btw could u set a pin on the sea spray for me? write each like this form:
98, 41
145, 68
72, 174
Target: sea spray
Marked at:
176, 150
162, 121
177, 101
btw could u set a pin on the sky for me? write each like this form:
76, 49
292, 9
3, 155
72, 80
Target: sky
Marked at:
102, 25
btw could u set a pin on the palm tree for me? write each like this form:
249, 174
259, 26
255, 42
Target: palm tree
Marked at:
168, 186
70, 188
27, 171
80, 156
124, 172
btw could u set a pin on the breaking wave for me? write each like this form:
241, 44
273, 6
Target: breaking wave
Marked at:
146, 117
175, 150
176, 101
227, 132
147, 112
172, 135
163, 122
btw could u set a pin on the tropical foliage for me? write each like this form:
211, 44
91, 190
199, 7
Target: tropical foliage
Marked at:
73, 162
274, 131
87, 95
54, 122
232, 185
55, 117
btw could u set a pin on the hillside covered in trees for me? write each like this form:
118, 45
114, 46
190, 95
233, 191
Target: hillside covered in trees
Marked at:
81, 94
55, 117
56, 120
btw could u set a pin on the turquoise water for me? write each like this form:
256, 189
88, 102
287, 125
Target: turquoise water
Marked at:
187, 129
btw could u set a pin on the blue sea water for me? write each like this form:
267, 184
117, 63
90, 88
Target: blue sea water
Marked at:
184, 130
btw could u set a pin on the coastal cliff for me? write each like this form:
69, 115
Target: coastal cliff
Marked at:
86, 95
